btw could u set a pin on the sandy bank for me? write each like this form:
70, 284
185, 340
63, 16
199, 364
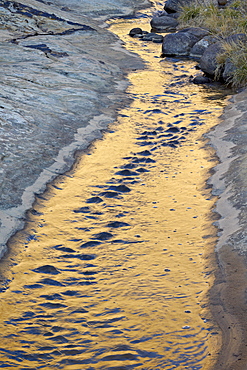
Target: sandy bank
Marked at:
228, 295
62, 81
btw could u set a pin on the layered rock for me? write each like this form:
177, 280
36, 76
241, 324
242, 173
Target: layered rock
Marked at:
60, 71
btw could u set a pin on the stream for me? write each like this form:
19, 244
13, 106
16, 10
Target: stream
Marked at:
113, 268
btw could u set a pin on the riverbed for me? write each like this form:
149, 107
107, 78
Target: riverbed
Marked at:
113, 268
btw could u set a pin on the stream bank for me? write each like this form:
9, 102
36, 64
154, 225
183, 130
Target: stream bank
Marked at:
228, 296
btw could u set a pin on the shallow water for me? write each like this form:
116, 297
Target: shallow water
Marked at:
114, 266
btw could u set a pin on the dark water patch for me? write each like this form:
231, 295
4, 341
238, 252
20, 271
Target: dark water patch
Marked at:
71, 293
144, 153
117, 224
153, 111
94, 200
177, 122
52, 305
170, 145
175, 142
110, 194
83, 257
127, 172
65, 249
71, 352
142, 170
28, 314
33, 286
129, 166
56, 329
59, 339
82, 210
120, 357
145, 143
120, 188
47, 269
149, 133
52, 297
31, 237
144, 160
36, 213
103, 236
127, 241
165, 136
53, 282
79, 310
87, 282
89, 273
90, 244
173, 129
145, 137
91, 217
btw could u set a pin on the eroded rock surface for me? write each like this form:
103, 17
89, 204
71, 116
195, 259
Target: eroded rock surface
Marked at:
59, 70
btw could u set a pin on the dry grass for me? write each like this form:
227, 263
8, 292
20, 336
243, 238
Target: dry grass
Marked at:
235, 53
222, 23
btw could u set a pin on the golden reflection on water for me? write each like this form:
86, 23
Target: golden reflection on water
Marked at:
136, 298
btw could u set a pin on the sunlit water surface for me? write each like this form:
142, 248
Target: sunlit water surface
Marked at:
112, 270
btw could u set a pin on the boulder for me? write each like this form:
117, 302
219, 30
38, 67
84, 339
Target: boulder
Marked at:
135, 31
153, 37
199, 80
237, 37
198, 49
197, 32
208, 61
173, 6
228, 71
180, 43
164, 23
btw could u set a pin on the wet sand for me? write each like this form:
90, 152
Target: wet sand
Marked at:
228, 295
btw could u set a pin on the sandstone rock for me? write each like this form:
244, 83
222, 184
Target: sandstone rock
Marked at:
163, 23
180, 43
